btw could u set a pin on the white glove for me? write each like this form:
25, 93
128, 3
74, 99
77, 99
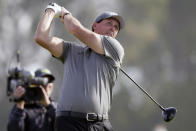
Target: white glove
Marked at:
55, 7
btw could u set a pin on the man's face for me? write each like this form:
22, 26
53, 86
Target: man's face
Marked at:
49, 88
109, 27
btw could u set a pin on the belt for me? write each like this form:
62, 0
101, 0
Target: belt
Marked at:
88, 116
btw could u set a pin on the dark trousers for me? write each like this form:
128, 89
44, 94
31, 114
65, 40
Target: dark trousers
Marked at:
66, 123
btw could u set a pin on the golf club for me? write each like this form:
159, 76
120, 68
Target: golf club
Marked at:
167, 113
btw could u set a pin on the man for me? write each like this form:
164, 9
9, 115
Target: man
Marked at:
37, 116
90, 72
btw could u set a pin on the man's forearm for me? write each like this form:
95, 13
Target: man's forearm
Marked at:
16, 120
71, 24
43, 29
89, 38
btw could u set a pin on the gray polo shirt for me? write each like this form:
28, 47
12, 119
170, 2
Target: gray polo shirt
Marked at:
89, 77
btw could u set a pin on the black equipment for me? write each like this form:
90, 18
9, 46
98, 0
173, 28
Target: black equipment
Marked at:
21, 77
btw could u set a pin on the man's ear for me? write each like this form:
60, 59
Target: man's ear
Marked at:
94, 26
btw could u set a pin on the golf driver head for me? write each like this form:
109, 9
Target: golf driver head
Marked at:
169, 113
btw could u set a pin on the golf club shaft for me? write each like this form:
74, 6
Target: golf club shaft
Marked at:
161, 107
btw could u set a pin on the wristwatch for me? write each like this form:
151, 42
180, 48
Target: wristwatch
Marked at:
67, 13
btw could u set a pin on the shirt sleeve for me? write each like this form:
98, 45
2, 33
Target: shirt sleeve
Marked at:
51, 109
16, 120
66, 46
113, 49
70, 48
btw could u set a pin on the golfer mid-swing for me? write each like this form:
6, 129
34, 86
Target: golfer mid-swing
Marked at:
90, 71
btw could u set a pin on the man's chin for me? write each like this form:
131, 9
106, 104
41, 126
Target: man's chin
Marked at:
110, 35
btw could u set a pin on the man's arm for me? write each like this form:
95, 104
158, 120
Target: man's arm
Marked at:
43, 38
88, 37
17, 115
16, 120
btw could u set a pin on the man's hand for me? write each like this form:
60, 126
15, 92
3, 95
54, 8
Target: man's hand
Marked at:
45, 101
18, 93
55, 7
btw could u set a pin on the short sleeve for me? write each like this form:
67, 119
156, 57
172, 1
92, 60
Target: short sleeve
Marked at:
66, 46
113, 49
